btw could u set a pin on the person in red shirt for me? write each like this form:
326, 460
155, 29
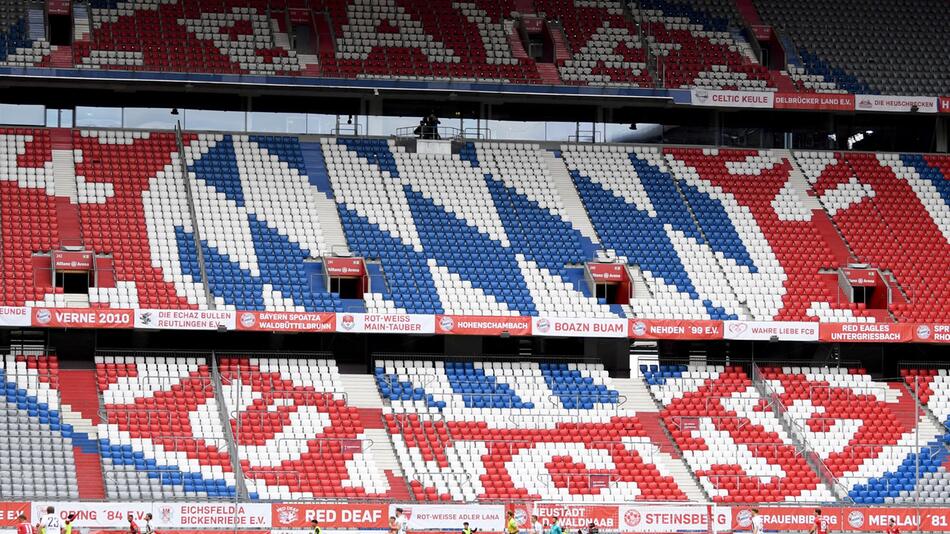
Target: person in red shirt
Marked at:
133, 528
25, 527
821, 523
892, 528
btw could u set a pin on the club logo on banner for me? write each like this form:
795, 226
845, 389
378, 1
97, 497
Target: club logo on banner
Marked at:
560, 327
330, 515
765, 331
184, 319
390, 323
451, 516
287, 321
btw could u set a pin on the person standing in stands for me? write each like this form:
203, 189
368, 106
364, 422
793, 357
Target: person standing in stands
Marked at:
50, 523
24, 526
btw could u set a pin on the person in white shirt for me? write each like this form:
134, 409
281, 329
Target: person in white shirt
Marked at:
402, 522
536, 526
758, 524
51, 523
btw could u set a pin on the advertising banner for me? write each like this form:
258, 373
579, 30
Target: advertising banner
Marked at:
814, 101
944, 104
932, 332
861, 277
732, 99
65, 260
287, 321
765, 330
82, 318
331, 515
561, 327
344, 267
386, 323
164, 515
573, 517
449, 517
675, 329
607, 272
482, 325
898, 104
846, 519
9, 511
674, 518
784, 518
14, 316
866, 332
184, 319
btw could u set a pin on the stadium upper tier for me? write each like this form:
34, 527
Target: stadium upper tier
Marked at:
637, 43
150, 427
247, 222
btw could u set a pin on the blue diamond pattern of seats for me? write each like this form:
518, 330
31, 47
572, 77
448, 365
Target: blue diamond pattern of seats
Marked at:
576, 391
479, 390
394, 389
656, 375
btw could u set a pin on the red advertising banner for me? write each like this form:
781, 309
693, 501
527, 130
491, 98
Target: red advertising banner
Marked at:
82, 318
861, 277
944, 104
482, 325
814, 101
846, 519
287, 321
58, 7
574, 517
607, 272
866, 332
351, 515
344, 267
932, 332
10, 511
675, 329
761, 32
64, 260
